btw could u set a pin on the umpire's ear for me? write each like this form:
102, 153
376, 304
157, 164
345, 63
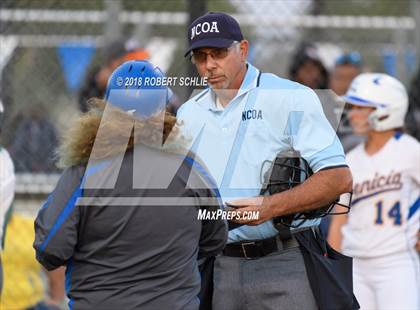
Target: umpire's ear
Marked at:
244, 46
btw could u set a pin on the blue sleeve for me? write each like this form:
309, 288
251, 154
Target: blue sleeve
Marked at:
56, 224
312, 134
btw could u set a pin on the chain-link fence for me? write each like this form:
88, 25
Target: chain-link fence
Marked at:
55, 54
51, 48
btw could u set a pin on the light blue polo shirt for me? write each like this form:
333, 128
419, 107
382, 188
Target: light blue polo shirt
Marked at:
268, 115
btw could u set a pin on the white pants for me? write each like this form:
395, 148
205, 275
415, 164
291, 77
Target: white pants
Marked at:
390, 282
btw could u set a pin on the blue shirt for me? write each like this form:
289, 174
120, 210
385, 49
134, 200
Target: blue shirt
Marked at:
268, 115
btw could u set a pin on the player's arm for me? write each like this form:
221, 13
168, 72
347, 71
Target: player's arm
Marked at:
415, 175
57, 221
335, 235
7, 191
56, 292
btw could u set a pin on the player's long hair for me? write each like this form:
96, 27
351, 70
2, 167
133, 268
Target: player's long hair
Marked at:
103, 131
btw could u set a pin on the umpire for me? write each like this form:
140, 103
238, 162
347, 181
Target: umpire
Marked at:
243, 119
122, 218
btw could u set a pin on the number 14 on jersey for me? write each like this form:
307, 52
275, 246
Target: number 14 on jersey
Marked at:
394, 214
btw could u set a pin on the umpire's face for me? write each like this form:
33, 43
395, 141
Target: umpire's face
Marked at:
224, 67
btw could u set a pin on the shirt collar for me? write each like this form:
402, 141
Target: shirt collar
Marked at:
250, 81
208, 98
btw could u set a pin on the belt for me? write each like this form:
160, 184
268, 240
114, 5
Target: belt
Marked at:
259, 248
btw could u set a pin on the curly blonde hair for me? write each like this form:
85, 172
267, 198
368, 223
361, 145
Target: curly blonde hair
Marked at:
104, 130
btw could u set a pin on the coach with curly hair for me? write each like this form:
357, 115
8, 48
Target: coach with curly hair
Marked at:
123, 217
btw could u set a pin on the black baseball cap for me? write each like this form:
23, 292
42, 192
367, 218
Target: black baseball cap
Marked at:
214, 29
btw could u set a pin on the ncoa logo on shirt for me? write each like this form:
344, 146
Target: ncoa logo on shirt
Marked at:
251, 114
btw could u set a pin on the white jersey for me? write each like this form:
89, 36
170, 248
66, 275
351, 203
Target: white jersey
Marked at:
7, 187
384, 217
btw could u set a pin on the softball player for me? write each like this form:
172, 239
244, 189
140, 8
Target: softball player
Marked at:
381, 230
7, 188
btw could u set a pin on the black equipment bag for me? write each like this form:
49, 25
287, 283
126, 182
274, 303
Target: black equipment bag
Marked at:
330, 273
